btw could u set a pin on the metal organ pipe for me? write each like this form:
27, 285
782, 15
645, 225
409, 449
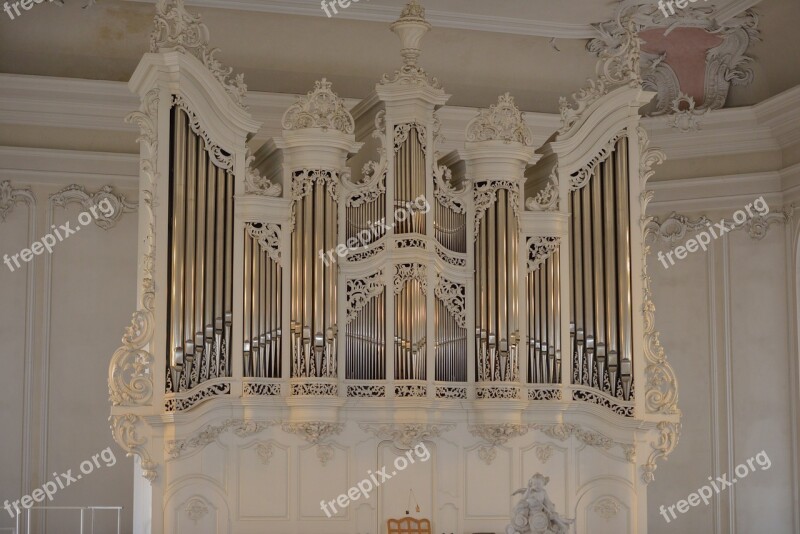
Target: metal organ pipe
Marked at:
201, 260
497, 269
601, 320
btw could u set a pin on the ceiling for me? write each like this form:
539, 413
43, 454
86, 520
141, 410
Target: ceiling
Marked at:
478, 48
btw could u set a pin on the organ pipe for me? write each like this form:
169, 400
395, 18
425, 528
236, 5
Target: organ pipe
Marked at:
313, 323
497, 271
201, 260
261, 302
600, 277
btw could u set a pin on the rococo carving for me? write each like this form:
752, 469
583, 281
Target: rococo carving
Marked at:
406, 436
268, 236
725, 64
177, 29
320, 108
454, 297
360, 291
316, 433
130, 373
77, 194
540, 249
242, 428
9, 197
501, 122
123, 428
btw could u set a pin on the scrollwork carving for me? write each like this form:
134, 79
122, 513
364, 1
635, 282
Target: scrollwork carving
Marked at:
268, 236
316, 433
454, 297
373, 184
218, 155
585, 173
494, 436
255, 184
320, 108
242, 428
406, 436
564, 431
485, 194
401, 132
130, 373
548, 198
540, 249
407, 272
77, 194
124, 431
501, 122
360, 291
9, 197
177, 29
669, 432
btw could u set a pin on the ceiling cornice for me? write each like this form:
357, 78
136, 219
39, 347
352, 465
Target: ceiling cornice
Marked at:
441, 19
102, 105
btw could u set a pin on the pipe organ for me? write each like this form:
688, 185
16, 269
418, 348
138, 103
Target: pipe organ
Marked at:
348, 264
399, 280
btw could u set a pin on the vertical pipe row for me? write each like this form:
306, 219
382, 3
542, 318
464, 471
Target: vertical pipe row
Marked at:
201, 261
600, 278
544, 308
261, 303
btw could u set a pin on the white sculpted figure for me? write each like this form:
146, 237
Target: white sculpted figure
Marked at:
535, 513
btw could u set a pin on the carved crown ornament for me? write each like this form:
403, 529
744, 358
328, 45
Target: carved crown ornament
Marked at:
320, 108
177, 29
501, 122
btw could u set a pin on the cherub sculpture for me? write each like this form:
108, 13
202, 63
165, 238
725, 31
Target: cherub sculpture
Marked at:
535, 513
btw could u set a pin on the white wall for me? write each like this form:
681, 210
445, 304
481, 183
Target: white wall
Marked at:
61, 322
723, 319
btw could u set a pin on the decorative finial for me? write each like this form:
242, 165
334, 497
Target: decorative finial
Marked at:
411, 27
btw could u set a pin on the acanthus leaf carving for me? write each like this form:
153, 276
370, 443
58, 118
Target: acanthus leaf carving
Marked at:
320, 108
540, 249
406, 436
485, 194
548, 198
373, 183
177, 29
360, 291
268, 236
130, 372
10, 197
454, 297
124, 431
255, 184
501, 122
406, 272
242, 428
316, 433
669, 433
